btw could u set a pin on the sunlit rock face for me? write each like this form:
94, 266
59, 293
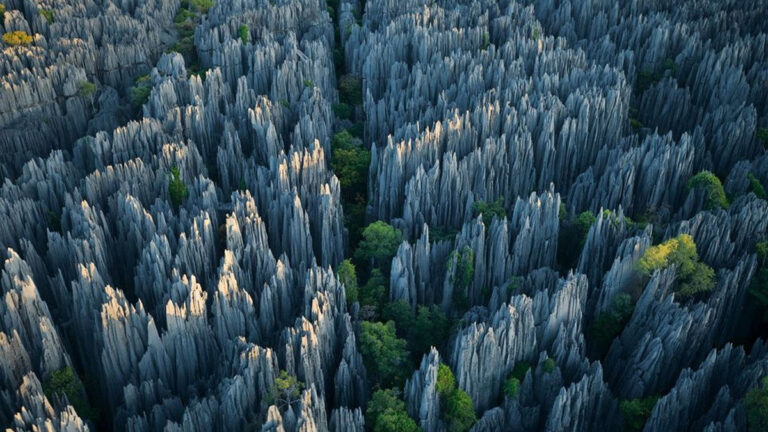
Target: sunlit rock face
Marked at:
173, 212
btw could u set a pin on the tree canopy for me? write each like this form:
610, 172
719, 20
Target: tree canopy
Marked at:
386, 413
384, 354
64, 382
693, 276
176, 188
348, 277
756, 402
380, 242
17, 38
713, 188
635, 412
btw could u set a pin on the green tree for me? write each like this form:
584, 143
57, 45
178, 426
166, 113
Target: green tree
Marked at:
85, 89
379, 244
756, 187
384, 354
176, 188
758, 288
342, 110
462, 276
139, 93
64, 382
636, 412
350, 90
446, 382
17, 38
47, 14
756, 403
458, 411
244, 33
609, 324
762, 135
572, 237
693, 276
712, 187
511, 387
374, 292
386, 413
489, 211
429, 328
350, 163
348, 277
286, 390
548, 365
400, 312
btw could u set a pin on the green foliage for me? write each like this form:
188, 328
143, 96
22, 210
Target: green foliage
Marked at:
762, 135
286, 390
176, 188
756, 187
380, 242
489, 211
446, 382
430, 328
609, 324
342, 110
486, 41
386, 413
47, 14
139, 93
511, 387
17, 38
756, 403
462, 276
64, 382
54, 221
384, 354
374, 292
548, 365
350, 90
693, 276
197, 6
85, 89
758, 288
348, 277
521, 368
350, 163
2, 11
309, 83
714, 189
458, 411
646, 78
573, 235
636, 412
244, 33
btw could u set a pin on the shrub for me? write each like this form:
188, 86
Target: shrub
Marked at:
758, 288
762, 135
511, 387
350, 164
2, 11
489, 211
244, 33
572, 237
350, 90
64, 382
712, 187
462, 276
176, 188
379, 244
85, 89
609, 324
348, 277
756, 403
521, 368
286, 390
386, 413
693, 276
47, 14
548, 365
197, 6
342, 111
374, 292
458, 411
17, 38
430, 328
139, 93
755, 186
446, 382
384, 354
309, 83
635, 412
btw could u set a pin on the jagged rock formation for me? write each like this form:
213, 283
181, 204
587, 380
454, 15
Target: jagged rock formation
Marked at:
179, 255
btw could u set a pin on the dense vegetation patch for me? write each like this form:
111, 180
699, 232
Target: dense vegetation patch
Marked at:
64, 382
176, 188
636, 412
713, 188
17, 38
693, 276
